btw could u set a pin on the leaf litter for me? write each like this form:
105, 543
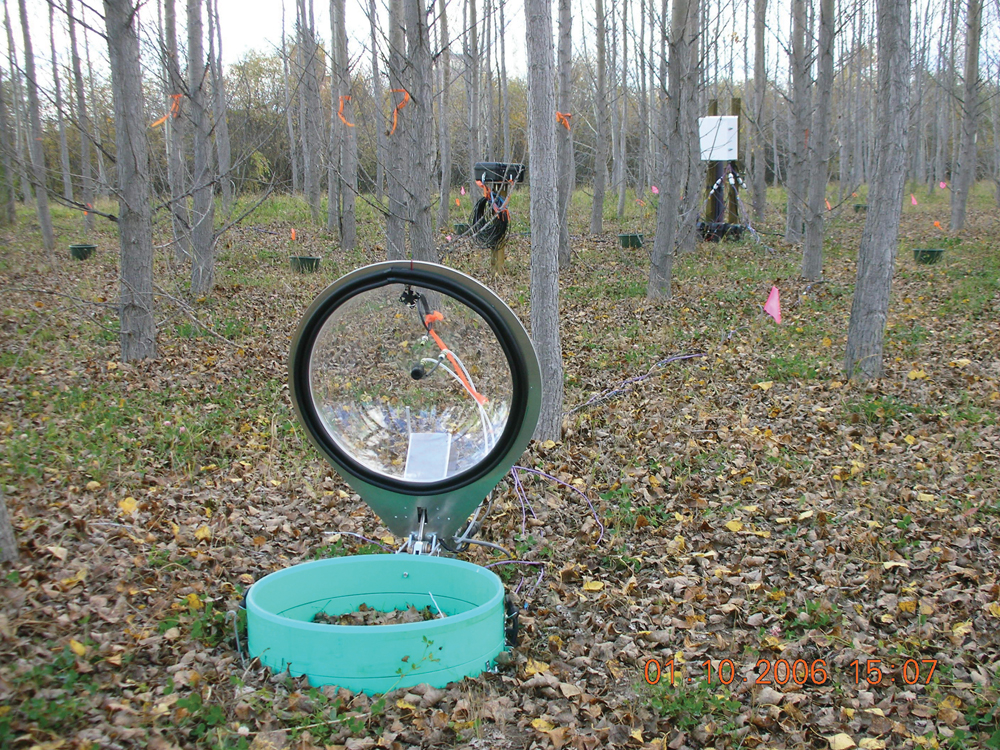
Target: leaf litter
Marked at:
813, 521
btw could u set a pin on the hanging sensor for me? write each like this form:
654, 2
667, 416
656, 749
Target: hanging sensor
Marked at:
409, 297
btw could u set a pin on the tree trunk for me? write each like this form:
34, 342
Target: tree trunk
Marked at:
309, 52
642, 177
444, 118
472, 91
35, 143
812, 251
293, 151
758, 139
221, 125
489, 147
8, 542
9, 210
379, 94
877, 253
138, 323
83, 124
795, 181
564, 131
420, 130
544, 216
346, 172
504, 97
621, 159
61, 121
676, 122
397, 217
965, 178
203, 218
180, 216
103, 188
601, 112
337, 128
17, 104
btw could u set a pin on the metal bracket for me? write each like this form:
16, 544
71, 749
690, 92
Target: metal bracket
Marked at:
417, 543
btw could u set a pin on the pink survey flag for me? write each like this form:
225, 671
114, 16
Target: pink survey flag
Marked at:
654, 189
943, 184
773, 305
913, 199
463, 190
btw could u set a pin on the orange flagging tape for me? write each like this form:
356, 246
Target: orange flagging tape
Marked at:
340, 112
395, 112
175, 105
429, 320
563, 117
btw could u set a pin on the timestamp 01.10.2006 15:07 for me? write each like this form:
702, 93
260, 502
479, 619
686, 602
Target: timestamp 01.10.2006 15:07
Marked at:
799, 672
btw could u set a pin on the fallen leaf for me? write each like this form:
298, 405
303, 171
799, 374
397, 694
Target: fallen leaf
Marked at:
841, 742
77, 648
593, 585
128, 505
870, 743
203, 534
542, 725
766, 385
534, 667
93, 485
734, 525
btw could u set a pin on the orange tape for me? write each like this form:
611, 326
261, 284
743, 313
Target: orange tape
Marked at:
175, 105
395, 112
159, 122
431, 318
563, 117
340, 112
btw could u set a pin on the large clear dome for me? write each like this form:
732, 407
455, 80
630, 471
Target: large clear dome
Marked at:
410, 383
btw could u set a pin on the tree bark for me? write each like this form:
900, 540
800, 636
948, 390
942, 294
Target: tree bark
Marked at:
138, 323
83, 124
544, 216
681, 89
103, 188
343, 171
504, 94
965, 178
564, 131
795, 181
812, 250
289, 117
180, 216
309, 58
877, 253
60, 120
472, 91
601, 112
8, 542
621, 159
420, 130
220, 127
203, 204
35, 143
758, 139
444, 119
17, 104
379, 94
397, 216
9, 211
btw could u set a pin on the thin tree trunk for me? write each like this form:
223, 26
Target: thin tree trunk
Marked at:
289, 117
103, 188
83, 124
35, 143
337, 128
601, 111
379, 94
489, 130
61, 121
138, 322
472, 90
223, 149
795, 181
758, 139
504, 94
420, 121
8, 542
20, 136
311, 105
203, 218
9, 211
622, 157
642, 177
444, 118
564, 131
877, 253
180, 216
544, 216
812, 251
965, 178
397, 217
346, 172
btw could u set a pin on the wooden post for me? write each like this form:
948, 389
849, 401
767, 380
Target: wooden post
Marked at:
732, 203
715, 207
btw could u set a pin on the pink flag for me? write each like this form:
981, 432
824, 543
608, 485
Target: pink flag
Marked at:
463, 190
913, 199
448, 237
943, 184
654, 189
773, 305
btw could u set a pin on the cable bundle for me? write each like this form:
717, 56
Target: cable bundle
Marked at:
489, 222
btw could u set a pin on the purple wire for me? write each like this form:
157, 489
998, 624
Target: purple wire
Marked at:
625, 384
523, 497
515, 469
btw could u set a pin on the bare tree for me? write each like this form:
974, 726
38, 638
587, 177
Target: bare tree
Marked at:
544, 216
103, 188
343, 173
812, 250
8, 542
220, 126
136, 306
676, 127
601, 112
420, 130
9, 211
396, 217
203, 205
310, 99
621, 156
966, 168
289, 119
60, 120
564, 130
758, 138
35, 141
472, 92
877, 254
379, 95
17, 104
795, 181
83, 124
180, 216
444, 132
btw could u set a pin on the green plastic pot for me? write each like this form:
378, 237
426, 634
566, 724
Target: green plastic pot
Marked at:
82, 252
630, 240
859, 207
305, 263
928, 255
461, 228
377, 658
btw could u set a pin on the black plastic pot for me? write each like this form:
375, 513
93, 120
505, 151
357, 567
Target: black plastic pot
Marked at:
304, 263
82, 252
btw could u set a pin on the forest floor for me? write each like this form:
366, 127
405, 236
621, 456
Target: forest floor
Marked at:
759, 511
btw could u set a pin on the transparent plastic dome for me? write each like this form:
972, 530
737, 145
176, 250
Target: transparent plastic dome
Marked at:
410, 383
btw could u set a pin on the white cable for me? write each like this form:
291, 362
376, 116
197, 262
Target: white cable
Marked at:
488, 438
